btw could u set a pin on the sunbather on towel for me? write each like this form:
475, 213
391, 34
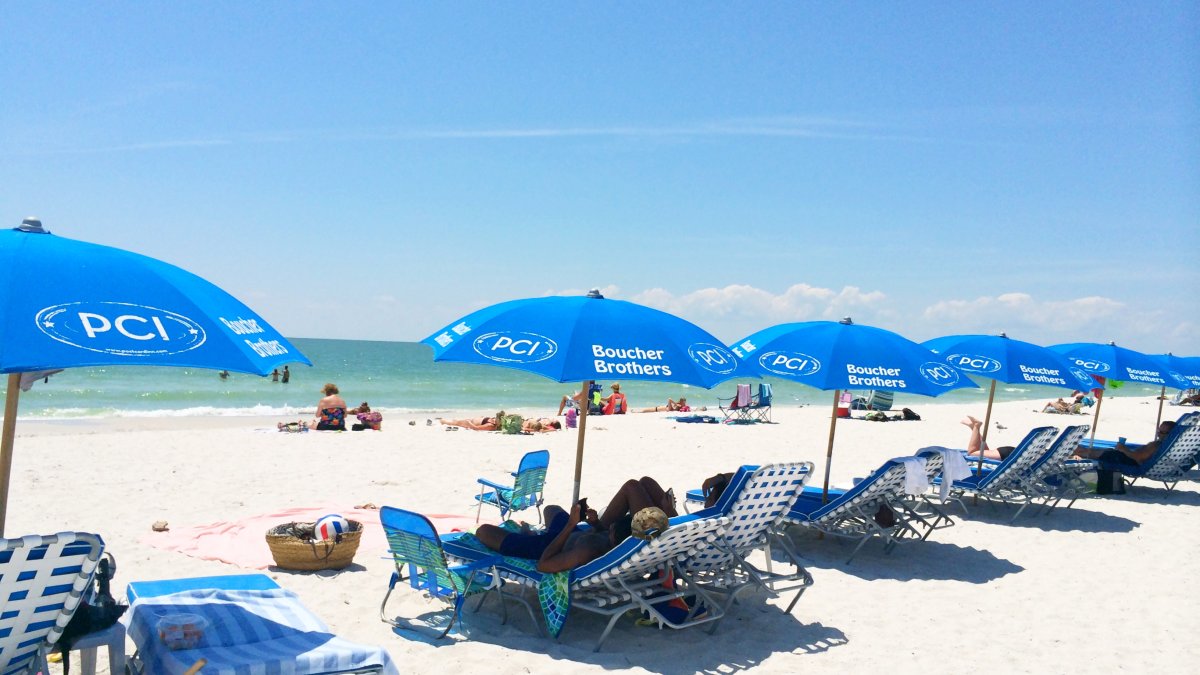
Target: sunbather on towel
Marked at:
672, 406
475, 423
540, 425
975, 443
1124, 455
564, 545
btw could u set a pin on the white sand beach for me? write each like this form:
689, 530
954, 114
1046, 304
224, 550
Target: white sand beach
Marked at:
1104, 586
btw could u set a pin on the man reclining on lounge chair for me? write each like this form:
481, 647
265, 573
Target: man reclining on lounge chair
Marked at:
1126, 456
563, 545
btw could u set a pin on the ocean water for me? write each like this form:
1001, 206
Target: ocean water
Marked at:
394, 377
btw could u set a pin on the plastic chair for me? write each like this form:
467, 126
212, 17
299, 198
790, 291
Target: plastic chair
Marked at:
525, 492
413, 542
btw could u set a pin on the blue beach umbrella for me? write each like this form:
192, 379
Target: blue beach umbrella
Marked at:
841, 355
1000, 358
1184, 368
1111, 362
66, 304
584, 338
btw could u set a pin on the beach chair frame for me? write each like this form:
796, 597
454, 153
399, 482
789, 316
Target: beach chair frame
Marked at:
1010, 481
526, 492
755, 501
629, 577
42, 581
1178, 453
731, 409
417, 549
851, 514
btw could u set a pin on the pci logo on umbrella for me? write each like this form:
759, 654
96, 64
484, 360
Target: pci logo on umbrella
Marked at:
713, 358
940, 374
515, 347
791, 364
121, 328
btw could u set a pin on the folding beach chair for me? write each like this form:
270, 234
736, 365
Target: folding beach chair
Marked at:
880, 400
755, 500
42, 580
415, 545
524, 493
738, 407
632, 576
760, 404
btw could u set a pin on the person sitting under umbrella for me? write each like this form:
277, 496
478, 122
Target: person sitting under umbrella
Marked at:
1122, 454
564, 545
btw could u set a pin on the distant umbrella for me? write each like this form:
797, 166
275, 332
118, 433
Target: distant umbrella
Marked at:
1118, 363
837, 355
1184, 368
68, 304
1002, 359
584, 338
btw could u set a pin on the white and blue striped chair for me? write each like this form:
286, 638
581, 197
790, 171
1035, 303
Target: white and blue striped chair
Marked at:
42, 580
755, 500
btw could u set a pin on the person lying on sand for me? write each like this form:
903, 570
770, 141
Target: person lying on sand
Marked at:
563, 545
540, 425
672, 406
476, 423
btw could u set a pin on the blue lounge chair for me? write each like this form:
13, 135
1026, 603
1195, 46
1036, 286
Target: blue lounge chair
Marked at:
869, 509
253, 626
415, 545
524, 493
42, 580
629, 577
1177, 454
1010, 480
755, 501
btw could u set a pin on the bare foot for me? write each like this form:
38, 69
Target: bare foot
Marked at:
971, 422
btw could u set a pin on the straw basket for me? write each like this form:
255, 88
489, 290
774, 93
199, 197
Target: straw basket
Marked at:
295, 548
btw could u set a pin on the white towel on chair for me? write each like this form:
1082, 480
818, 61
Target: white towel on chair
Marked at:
916, 479
954, 467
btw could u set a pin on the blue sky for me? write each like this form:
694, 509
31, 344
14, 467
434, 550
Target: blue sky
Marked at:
370, 170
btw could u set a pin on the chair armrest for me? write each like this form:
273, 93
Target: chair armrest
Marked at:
475, 565
497, 486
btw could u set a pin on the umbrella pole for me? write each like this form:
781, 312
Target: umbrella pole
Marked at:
6, 442
837, 394
987, 420
583, 415
1162, 396
1096, 420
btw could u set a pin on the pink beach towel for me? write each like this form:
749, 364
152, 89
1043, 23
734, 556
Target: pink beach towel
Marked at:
243, 543
743, 396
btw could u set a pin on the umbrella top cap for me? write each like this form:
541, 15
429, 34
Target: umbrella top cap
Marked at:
1003, 335
595, 293
846, 321
31, 225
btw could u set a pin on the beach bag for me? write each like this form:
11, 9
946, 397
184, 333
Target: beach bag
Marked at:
97, 610
1109, 482
910, 415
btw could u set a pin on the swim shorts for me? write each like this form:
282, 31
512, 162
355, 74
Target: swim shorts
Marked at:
532, 546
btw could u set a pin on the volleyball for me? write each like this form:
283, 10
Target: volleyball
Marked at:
330, 527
